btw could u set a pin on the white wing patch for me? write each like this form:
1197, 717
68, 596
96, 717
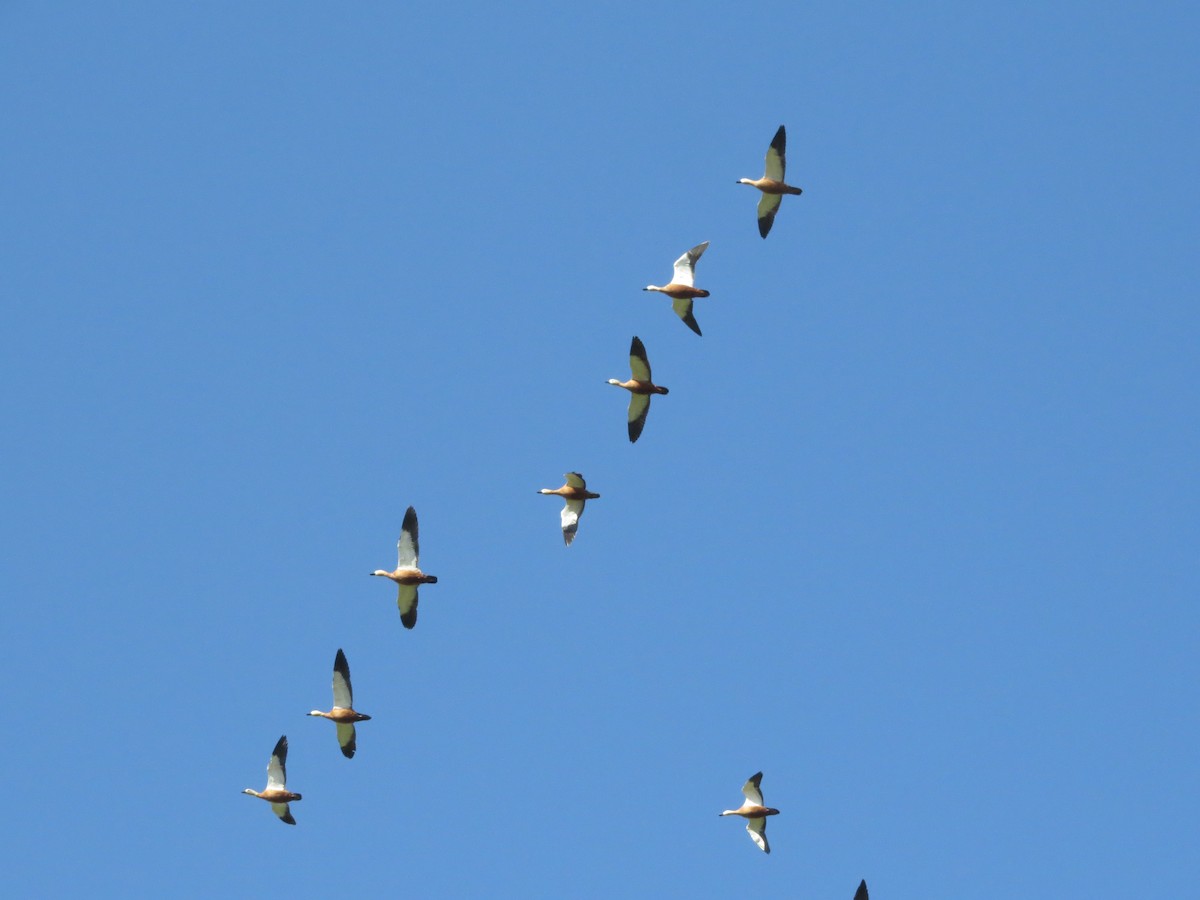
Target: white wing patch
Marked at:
768, 205
752, 793
683, 309
638, 365
342, 695
639, 405
276, 777
571, 512
406, 552
685, 266
575, 480
684, 272
776, 155
758, 833
347, 738
281, 810
406, 598
775, 165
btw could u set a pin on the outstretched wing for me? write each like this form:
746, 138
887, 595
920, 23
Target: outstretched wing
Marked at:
343, 694
752, 790
768, 205
639, 365
575, 480
406, 599
758, 833
861, 893
571, 512
347, 739
777, 155
639, 405
407, 548
277, 767
683, 309
284, 812
685, 266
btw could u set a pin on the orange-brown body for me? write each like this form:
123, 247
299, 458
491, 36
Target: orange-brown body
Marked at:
274, 795
771, 186
755, 812
344, 716
409, 576
681, 291
570, 492
641, 387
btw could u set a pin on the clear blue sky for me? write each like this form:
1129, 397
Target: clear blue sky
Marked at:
915, 532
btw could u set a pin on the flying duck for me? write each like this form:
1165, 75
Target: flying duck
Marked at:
754, 812
771, 184
681, 288
276, 792
640, 387
343, 706
407, 574
575, 492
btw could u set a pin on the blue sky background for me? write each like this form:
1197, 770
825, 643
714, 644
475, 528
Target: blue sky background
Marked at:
915, 532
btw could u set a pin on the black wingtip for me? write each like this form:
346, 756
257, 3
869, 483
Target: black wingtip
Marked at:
861, 893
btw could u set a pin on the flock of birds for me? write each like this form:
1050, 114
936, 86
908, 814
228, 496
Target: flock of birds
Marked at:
408, 575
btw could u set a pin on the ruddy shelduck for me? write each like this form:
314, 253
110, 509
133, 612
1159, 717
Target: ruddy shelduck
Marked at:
772, 184
861, 893
276, 792
343, 707
754, 812
407, 575
640, 386
575, 493
682, 290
